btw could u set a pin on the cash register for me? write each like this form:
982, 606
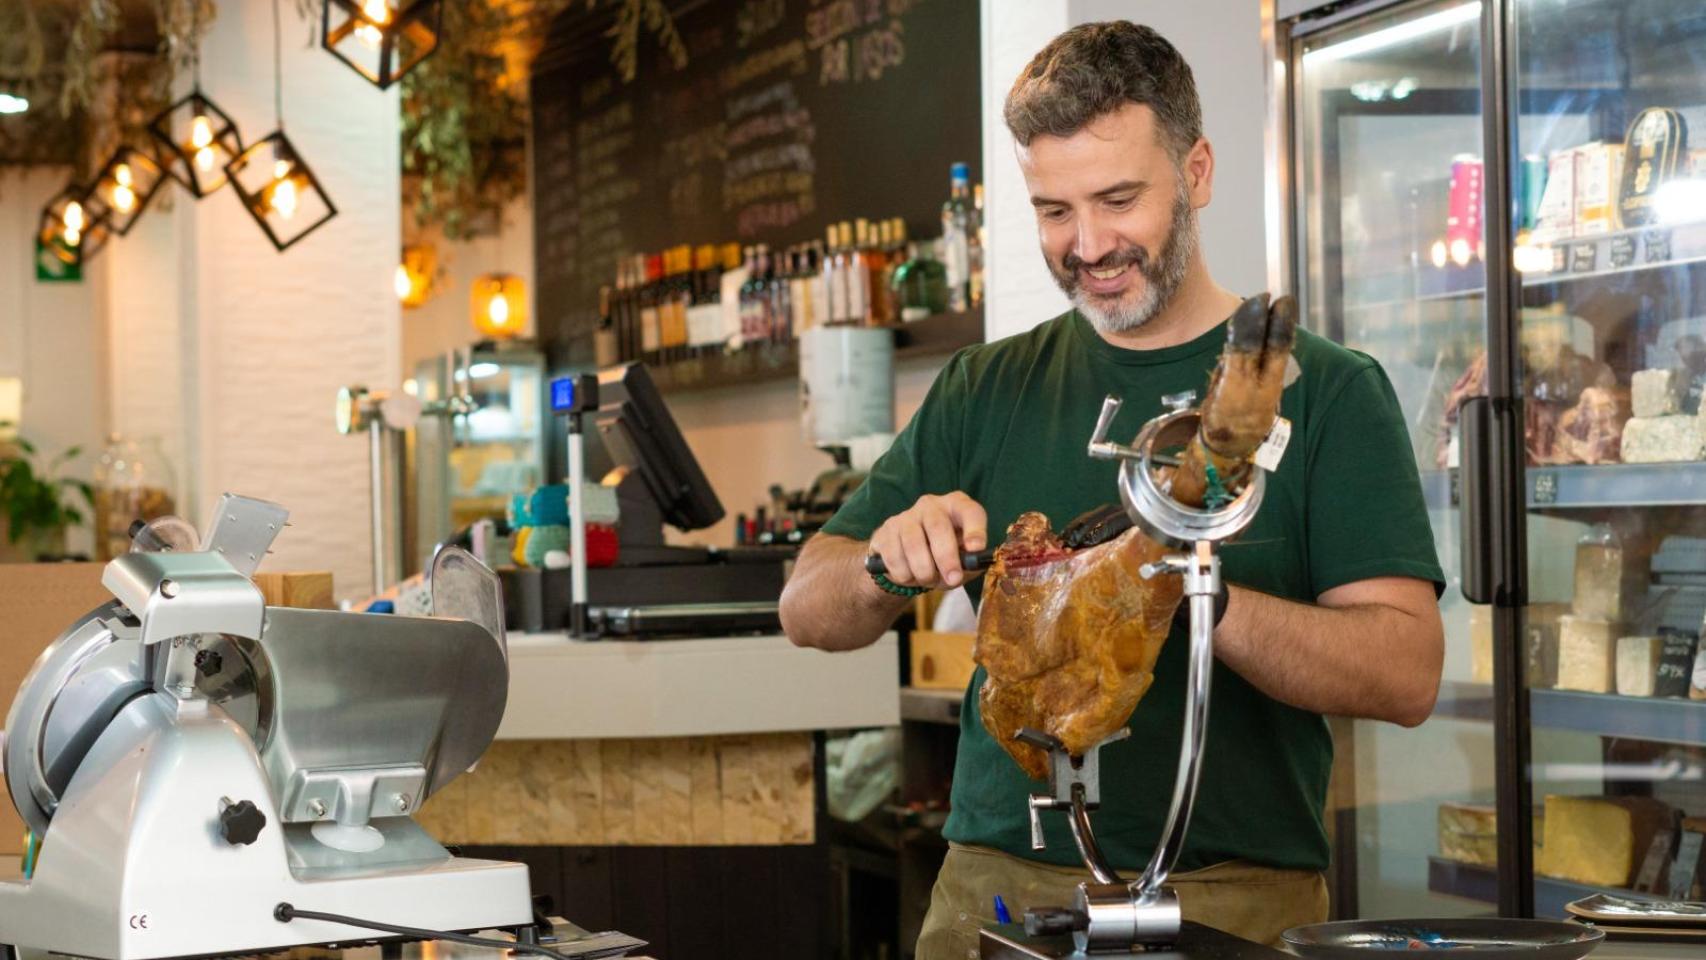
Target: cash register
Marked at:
654, 590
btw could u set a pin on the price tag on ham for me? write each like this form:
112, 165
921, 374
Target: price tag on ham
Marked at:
1268, 454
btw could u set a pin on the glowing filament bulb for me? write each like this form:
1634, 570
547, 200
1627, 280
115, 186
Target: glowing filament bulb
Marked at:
401, 283
497, 308
73, 219
1460, 252
124, 198
201, 141
376, 11
283, 198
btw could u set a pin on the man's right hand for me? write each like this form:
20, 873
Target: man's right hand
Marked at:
921, 547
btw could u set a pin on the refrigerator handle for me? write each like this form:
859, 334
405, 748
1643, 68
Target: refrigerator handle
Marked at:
1475, 499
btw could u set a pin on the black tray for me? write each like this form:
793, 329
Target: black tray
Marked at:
1481, 938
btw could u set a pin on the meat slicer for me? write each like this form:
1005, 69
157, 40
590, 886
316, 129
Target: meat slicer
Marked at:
204, 772
1112, 914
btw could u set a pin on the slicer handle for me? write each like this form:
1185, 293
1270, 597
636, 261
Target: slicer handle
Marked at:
1037, 804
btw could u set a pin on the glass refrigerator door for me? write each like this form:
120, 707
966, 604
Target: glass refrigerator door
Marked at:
1610, 178
1388, 211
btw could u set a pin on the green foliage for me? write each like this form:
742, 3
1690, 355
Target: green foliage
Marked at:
34, 500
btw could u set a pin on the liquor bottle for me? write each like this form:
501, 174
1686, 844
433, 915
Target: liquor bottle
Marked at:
894, 254
729, 284
604, 340
777, 301
750, 310
921, 283
651, 332
800, 290
975, 252
956, 237
672, 310
834, 282
855, 276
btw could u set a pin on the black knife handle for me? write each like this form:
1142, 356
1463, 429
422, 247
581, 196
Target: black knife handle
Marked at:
979, 560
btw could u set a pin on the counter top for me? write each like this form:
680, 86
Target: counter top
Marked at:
563, 689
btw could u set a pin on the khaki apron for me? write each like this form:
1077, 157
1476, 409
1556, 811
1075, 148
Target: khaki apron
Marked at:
1256, 903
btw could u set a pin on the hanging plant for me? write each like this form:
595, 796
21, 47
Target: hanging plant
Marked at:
465, 111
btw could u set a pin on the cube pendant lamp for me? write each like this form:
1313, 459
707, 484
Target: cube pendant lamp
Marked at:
74, 225
381, 39
126, 184
280, 191
197, 140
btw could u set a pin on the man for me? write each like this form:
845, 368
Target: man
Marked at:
1332, 607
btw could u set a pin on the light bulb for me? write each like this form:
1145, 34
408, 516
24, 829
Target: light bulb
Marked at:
73, 217
201, 131
73, 236
282, 198
401, 283
1460, 252
1437, 254
204, 158
121, 175
124, 198
497, 309
377, 11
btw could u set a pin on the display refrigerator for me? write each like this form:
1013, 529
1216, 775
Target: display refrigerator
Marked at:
1504, 203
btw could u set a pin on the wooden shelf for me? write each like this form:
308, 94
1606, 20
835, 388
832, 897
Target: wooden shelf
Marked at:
941, 333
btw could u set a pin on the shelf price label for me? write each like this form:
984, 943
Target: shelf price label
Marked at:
1583, 256
1657, 243
1545, 487
1622, 251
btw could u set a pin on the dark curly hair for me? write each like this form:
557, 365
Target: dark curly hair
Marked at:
1094, 69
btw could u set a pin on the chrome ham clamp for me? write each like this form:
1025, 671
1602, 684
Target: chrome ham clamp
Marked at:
1112, 915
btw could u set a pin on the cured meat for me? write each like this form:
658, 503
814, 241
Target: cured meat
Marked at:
1069, 638
1592, 430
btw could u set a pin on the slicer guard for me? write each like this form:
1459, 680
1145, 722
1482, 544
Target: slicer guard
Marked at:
1111, 914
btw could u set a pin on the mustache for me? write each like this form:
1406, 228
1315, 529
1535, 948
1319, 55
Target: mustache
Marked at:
1125, 256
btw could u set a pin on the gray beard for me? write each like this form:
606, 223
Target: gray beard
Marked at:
1162, 278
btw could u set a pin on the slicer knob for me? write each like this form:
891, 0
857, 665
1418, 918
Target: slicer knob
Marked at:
241, 822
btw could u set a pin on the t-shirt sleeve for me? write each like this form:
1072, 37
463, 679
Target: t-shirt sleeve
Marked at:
1366, 514
923, 459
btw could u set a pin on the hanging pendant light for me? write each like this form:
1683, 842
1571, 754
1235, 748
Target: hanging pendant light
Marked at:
276, 185
381, 39
74, 225
196, 138
126, 184
498, 305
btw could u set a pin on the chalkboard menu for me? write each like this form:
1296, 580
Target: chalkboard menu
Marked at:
789, 115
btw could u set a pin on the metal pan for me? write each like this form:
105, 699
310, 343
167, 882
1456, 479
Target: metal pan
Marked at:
1489, 938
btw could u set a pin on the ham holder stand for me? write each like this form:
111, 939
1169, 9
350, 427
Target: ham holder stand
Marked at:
1111, 914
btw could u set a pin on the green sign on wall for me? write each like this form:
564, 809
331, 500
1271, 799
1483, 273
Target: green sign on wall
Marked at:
52, 268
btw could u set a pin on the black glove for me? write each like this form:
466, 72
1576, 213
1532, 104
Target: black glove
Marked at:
1182, 615
1096, 526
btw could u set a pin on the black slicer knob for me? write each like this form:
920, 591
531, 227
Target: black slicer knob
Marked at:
241, 822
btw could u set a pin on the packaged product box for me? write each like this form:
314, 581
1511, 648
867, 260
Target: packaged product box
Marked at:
1599, 174
1556, 218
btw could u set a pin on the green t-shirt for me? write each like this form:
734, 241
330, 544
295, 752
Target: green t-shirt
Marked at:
1007, 422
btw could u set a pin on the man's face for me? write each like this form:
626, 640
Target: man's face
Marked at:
1116, 216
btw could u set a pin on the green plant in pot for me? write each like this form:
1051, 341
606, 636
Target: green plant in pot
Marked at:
37, 505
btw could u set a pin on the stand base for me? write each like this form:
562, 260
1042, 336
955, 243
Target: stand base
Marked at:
1196, 942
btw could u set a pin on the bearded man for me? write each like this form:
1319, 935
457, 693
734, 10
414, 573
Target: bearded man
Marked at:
1333, 603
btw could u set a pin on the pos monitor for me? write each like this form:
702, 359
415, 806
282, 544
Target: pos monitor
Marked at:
639, 435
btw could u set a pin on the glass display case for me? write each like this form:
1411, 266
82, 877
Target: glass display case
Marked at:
1550, 362
482, 440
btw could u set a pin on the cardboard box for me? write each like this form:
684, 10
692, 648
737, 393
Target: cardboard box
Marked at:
37, 603
941, 661
1599, 176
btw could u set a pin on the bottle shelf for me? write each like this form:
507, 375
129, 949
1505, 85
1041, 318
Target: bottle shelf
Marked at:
1655, 719
768, 361
1591, 486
